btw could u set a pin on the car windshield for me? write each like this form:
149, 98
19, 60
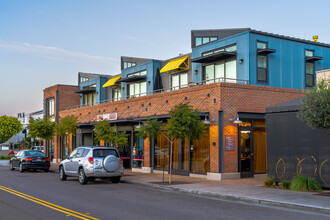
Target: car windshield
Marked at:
34, 154
104, 152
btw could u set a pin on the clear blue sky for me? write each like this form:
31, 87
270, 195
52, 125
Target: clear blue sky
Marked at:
43, 43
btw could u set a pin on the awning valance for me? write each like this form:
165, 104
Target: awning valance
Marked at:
181, 63
112, 81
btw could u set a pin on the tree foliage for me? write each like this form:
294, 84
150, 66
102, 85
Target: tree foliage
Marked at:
9, 126
41, 128
103, 131
121, 139
24, 143
67, 125
150, 129
315, 110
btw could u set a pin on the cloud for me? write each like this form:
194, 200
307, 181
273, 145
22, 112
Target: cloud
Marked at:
53, 52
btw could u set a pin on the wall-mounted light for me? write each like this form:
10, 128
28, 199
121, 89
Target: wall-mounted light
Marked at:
148, 82
195, 71
237, 121
241, 60
123, 88
139, 125
206, 121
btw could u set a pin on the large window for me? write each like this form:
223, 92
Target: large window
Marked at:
179, 81
200, 154
138, 88
204, 40
309, 69
50, 107
224, 71
129, 64
116, 94
83, 79
89, 99
262, 64
161, 155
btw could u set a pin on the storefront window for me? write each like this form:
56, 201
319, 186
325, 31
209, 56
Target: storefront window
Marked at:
161, 156
138, 152
200, 155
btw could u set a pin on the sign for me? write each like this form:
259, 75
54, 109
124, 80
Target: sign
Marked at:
230, 142
108, 116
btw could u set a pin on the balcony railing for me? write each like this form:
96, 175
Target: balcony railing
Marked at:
208, 81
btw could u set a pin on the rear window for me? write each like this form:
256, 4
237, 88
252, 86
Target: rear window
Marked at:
34, 154
104, 152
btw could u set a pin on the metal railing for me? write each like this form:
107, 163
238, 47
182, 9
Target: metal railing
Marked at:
174, 88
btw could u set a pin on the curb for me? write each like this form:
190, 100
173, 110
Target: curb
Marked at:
234, 198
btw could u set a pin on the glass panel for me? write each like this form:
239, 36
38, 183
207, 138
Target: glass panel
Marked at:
259, 149
94, 98
309, 80
219, 72
175, 155
245, 146
309, 53
310, 68
184, 80
161, 152
125, 65
261, 45
143, 73
213, 38
198, 41
129, 65
259, 123
133, 64
200, 154
262, 75
137, 152
175, 82
185, 154
206, 40
85, 99
143, 86
231, 48
118, 94
137, 89
131, 89
90, 99
230, 71
208, 53
209, 74
262, 61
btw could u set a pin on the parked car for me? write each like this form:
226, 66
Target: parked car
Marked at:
29, 159
91, 163
38, 148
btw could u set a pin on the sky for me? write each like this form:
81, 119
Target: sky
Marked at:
44, 43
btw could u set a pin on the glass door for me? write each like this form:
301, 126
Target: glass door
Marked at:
181, 157
246, 152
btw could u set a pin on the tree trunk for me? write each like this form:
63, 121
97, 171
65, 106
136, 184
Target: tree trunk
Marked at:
170, 176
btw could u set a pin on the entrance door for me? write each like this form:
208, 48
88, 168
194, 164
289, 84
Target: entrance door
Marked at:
246, 152
181, 157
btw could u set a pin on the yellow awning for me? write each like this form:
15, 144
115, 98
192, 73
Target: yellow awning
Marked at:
112, 81
181, 63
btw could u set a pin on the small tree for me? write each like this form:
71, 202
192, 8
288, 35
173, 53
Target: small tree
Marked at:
24, 144
9, 126
67, 125
41, 128
104, 132
315, 110
121, 140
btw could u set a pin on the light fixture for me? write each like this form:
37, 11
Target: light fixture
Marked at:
241, 60
139, 125
195, 71
206, 121
237, 121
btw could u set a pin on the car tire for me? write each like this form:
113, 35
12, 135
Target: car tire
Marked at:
63, 176
82, 177
46, 170
21, 169
115, 179
11, 166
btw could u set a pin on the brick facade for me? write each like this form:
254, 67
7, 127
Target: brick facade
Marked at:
229, 98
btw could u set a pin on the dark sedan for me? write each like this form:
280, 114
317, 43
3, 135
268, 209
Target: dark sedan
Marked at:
29, 159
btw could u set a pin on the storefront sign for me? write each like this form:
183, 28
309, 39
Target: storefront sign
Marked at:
108, 116
230, 142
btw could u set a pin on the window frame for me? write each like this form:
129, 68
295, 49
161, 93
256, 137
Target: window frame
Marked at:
225, 71
202, 40
180, 84
219, 49
48, 113
128, 62
267, 60
313, 74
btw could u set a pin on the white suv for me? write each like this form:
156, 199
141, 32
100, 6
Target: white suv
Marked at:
91, 163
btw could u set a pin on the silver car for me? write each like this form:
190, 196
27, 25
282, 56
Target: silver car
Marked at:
91, 163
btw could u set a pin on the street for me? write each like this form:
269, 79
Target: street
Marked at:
39, 195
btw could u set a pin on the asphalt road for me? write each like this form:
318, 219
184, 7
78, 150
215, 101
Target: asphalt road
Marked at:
46, 197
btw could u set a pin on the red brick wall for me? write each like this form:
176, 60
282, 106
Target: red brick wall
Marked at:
227, 97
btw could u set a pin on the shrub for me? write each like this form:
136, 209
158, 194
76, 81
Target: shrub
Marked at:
5, 157
301, 183
269, 181
286, 184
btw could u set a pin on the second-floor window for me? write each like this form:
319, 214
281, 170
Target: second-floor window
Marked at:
204, 40
309, 69
179, 80
83, 79
262, 64
137, 89
223, 71
50, 107
116, 94
129, 64
89, 99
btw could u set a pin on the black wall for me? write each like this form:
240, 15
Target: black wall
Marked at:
294, 148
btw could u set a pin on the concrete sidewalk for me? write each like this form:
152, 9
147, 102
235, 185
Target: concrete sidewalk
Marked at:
248, 190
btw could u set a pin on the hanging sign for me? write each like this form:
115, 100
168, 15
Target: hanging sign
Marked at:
230, 142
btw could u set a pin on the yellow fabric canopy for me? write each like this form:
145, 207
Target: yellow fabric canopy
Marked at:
112, 81
181, 63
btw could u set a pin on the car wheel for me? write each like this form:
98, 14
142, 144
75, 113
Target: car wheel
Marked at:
115, 179
21, 168
62, 174
82, 177
11, 166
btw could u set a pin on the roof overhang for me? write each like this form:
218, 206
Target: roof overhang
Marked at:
313, 58
132, 79
265, 51
86, 91
214, 57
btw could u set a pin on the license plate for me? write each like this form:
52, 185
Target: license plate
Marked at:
38, 159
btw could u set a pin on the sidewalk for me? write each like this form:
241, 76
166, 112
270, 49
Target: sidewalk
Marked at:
248, 190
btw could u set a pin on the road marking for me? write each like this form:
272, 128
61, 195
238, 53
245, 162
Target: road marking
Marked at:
48, 204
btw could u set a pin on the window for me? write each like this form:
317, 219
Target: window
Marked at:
89, 99
50, 107
129, 64
137, 89
116, 94
262, 64
83, 79
179, 81
141, 73
224, 71
230, 48
204, 40
309, 69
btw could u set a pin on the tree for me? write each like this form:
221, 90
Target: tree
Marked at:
24, 143
104, 132
41, 128
121, 140
9, 126
184, 122
67, 125
315, 110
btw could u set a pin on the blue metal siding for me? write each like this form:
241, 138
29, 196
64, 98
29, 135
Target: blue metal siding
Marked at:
101, 93
286, 67
242, 42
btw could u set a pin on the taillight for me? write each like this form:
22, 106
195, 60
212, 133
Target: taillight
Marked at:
91, 160
28, 159
47, 159
121, 161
